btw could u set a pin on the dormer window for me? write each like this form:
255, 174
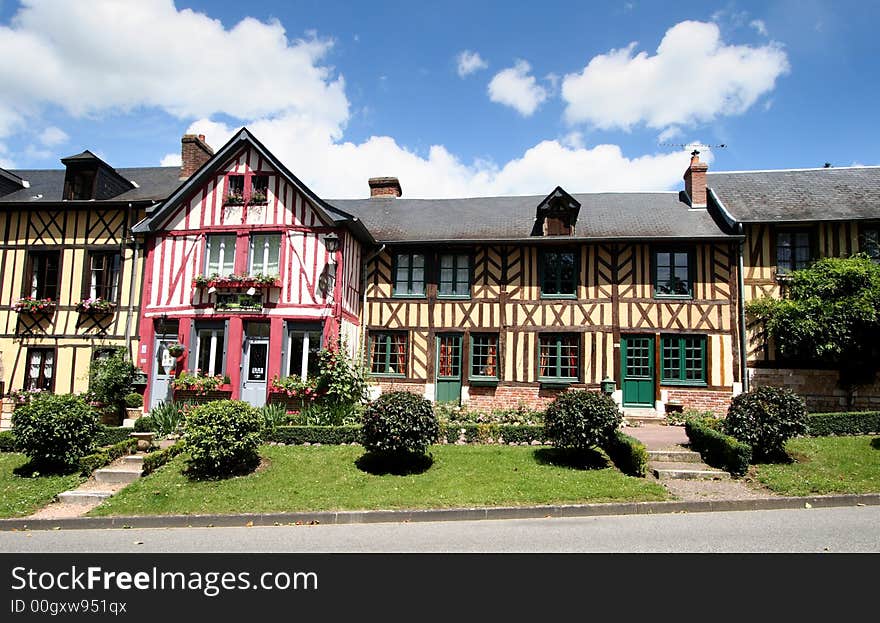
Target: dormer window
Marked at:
88, 177
556, 215
250, 188
80, 185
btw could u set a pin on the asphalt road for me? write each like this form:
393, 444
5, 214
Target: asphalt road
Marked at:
847, 529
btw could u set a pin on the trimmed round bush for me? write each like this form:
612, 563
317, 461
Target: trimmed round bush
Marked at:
765, 418
222, 438
134, 400
399, 423
144, 424
581, 419
55, 431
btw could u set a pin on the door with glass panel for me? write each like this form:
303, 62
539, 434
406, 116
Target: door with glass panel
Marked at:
448, 377
255, 363
164, 364
637, 361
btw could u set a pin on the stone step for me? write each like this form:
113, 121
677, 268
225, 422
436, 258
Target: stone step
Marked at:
645, 419
116, 475
674, 456
686, 471
133, 459
83, 497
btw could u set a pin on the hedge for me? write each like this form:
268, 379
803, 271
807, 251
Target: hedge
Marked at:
7, 442
99, 459
109, 435
717, 449
326, 435
628, 454
862, 423
155, 460
450, 433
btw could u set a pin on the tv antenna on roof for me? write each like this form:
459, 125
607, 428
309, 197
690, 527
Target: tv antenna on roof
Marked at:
696, 146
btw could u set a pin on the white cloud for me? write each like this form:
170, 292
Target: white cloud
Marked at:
668, 134
149, 53
469, 62
693, 77
53, 136
514, 87
171, 160
759, 26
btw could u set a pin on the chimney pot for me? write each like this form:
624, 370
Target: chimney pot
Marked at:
695, 181
385, 187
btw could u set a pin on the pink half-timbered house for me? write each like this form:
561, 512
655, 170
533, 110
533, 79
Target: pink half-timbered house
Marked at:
249, 270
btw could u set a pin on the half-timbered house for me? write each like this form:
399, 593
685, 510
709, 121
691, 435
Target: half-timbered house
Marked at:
501, 301
789, 219
250, 271
70, 268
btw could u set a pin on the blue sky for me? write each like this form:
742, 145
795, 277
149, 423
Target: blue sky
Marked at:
586, 95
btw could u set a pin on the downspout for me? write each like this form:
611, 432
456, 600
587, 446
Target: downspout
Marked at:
131, 292
743, 355
366, 261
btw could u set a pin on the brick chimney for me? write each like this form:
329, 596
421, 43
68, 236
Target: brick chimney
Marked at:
385, 187
194, 152
695, 181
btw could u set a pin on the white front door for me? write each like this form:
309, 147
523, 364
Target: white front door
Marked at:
163, 370
255, 373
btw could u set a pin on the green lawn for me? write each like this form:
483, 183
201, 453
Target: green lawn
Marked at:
299, 478
21, 495
825, 465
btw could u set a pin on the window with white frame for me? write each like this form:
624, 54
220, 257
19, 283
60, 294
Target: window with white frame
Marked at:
303, 346
220, 252
210, 352
265, 249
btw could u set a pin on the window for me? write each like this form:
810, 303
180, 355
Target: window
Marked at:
558, 357
265, 249
484, 357
388, 353
103, 277
683, 359
303, 346
455, 275
79, 185
792, 251
559, 273
259, 189
871, 243
40, 370
220, 255
409, 274
210, 350
673, 277
235, 190
42, 281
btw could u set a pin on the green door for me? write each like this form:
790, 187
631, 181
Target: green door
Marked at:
637, 361
449, 367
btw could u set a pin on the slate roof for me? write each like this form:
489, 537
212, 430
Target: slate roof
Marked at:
799, 194
653, 215
154, 184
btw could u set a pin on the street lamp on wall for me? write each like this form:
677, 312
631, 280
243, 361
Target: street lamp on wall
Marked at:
331, 243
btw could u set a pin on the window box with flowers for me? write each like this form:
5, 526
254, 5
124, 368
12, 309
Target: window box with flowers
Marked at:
196, 386
258, 198
234, 199
31, 305
294, 392
236, 282
96, 306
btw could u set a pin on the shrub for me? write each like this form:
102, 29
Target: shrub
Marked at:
628, 454
108, 435
55, 431
581, 419
272, 416
821, 424
455, 414
145, 424
134, 400
222, 438
110, 379
169, 417
490, 433
399, 423
325, 435
155, 460
765, 419
717, 449
679, 419
99, 459
7, 441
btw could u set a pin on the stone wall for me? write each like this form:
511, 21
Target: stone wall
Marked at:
6, 407
819, 388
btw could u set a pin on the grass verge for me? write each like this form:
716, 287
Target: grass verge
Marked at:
296, 478
20, 493
825, 465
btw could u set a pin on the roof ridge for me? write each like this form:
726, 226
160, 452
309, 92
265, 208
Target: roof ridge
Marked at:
862, 166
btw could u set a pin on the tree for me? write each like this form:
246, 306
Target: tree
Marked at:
831, 315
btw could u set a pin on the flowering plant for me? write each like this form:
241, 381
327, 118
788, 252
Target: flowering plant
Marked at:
198, 382
95, 305
24, 396
229, 281
234, 199
176, 349
258, 196
30, 305
295, 387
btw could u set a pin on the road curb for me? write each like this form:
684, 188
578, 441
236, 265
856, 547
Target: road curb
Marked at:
439, 514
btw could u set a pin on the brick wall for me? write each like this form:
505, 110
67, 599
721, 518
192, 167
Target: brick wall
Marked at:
402, 386
819, 388
506, 397
701, 400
